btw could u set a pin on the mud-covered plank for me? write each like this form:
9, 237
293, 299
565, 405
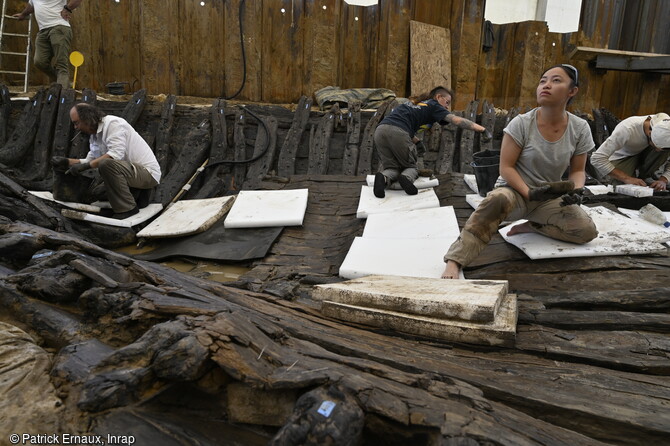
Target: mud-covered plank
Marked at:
163, 132
350, 157
264, 153
289, 149
320, 145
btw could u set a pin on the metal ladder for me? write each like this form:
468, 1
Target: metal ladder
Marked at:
3, 35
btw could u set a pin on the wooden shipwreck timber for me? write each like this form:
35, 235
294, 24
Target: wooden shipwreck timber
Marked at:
128, 347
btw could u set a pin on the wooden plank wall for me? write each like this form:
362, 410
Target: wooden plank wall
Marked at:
295, 47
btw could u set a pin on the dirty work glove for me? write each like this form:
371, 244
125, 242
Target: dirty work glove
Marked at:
60, 162
420, 148
486, 136
549, 191
574, 197
77, 169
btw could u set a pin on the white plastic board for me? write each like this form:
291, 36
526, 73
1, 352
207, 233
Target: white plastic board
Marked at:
420, 183
600, 189
46, 195
421, 223
396, 257
617, 235
634, 190
395, 200
188, 217
635, 216
144, 215
263, 209
471, 181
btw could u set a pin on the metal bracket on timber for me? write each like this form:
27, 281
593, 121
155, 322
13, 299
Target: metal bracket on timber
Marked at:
468, 139
286, 161
63, 130
259, 168
367, 144
163, 132
16, 148
39, 166
488, 122
79, 147
135, 107
601, 130
607, 59
350, 157
240, 145
190, 157
5, 113
319, 145
445, 157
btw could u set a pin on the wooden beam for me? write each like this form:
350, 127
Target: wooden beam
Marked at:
654, 64
588, 53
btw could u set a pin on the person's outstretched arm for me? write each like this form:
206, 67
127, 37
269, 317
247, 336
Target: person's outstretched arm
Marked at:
464, 123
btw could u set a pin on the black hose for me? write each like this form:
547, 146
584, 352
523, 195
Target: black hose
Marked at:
244, 58
252, 159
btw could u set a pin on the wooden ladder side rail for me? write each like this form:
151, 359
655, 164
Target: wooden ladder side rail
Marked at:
26, 54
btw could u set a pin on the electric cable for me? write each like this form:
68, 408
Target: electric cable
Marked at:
244, 57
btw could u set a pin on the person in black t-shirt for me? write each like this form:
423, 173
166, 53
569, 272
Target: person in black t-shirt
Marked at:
396, 141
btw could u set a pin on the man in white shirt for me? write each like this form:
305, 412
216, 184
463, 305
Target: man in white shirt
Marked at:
120, 154
637, 148
54, 36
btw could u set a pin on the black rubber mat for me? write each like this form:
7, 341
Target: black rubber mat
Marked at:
217, 243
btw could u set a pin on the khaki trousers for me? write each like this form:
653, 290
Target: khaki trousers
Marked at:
54, 43
566, 223
643, 165
119, 177
397, 152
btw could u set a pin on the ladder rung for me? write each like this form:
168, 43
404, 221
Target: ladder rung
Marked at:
15, 35
13, 72
13, 53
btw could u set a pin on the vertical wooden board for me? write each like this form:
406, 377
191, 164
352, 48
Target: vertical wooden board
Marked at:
534, 34
642, 96
86, 38
663, 102
465, 48
158, 38
239, 72
322, 37
201, 47
430, 57
433, 12
119, 49
615, 81
358, 46
282, 58
393, 55
493, 66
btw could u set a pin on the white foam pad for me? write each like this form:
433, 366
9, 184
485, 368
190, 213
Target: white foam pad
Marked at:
396, 257
262, 209
634, 190
144, 215
617, 235
421, 223
420, 183
395, 200
188, 217
46, 195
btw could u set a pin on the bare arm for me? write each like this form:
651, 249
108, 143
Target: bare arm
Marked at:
578, 170
25, 13
625, 178
509, 155
464, 123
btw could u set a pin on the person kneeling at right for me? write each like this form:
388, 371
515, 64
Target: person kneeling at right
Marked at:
537, 148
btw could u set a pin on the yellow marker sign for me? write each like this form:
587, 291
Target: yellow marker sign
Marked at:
76, 59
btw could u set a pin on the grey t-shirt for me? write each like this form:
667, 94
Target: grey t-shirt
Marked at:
540, 160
